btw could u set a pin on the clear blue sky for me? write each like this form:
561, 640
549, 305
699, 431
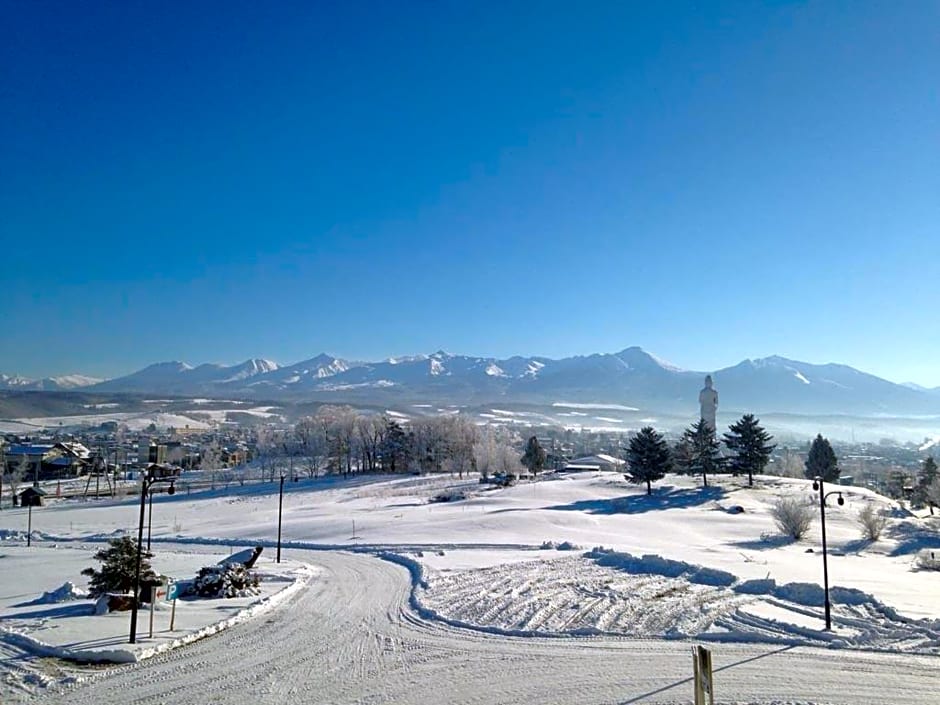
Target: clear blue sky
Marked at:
213, 181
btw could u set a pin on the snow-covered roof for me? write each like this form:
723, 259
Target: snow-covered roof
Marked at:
29, 449
76, 449
595, 461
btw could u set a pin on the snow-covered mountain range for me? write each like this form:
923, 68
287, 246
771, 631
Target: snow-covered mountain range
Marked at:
632, 377
47, 384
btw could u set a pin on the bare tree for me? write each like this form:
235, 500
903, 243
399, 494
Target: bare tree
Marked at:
933, 492
791, 464
15, 477
338, 426
310, 433
268, 450
370, 431
495, 453
458, 437
210, 461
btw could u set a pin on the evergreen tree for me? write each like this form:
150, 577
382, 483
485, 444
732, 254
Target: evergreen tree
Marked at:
750, 447
681, 456
821, 461
534, 457
648, 458
702, 451
926, 478
118, 568
395, 448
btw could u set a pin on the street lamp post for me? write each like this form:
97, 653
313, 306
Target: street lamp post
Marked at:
149, 517
29, 526
823, 495
280, 512
147, 481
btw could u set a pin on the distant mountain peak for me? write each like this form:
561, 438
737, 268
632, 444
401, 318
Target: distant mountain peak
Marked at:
169, 365
637, 356
403, 359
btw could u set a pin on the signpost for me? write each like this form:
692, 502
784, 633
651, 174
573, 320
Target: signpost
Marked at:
702, 667
159, 592
172, 593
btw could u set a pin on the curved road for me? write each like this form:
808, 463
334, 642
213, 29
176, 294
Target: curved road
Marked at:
350, 637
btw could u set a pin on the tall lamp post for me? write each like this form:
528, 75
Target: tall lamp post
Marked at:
149, 517
280, 513
818, 485
148, 479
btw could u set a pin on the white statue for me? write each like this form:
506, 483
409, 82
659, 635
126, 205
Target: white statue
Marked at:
708, 402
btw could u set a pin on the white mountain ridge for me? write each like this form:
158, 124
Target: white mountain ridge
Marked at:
631, 376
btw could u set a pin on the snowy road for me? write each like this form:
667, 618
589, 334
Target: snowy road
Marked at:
351, 638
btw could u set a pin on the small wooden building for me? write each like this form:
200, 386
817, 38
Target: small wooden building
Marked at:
31, 497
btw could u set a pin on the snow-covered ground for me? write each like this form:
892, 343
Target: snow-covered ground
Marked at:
687, 562
45, 610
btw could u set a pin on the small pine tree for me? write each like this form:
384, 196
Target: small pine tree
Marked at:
118, 568
648, 458
926, 478
534, 457
822, 461
703, 452
750, 446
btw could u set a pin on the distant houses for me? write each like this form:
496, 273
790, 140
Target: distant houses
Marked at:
47, 461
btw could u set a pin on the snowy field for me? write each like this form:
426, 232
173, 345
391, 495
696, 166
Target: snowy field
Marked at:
581, 558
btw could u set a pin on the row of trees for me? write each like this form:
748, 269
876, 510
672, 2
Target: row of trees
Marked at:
339, 440
649, 456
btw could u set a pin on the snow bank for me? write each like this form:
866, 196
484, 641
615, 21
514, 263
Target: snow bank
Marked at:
67, 592
605, 592
657, 565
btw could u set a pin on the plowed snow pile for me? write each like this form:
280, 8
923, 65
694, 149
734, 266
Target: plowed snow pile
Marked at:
603, 592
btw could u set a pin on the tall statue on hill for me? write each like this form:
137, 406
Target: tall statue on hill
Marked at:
708, 403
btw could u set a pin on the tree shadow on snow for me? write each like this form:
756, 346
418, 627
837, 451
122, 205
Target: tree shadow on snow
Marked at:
764, 542
855, 546
662, 498
78, 608
912, 537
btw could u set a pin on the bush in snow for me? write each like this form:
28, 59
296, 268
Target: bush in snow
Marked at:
118, 568
793, 516
448, 496
872, 522
928, 559
226, 580
504, 479
563, 546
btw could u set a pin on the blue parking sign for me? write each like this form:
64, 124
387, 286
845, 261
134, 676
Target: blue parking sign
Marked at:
172, 591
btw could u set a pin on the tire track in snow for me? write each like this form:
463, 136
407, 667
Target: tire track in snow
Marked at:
327, 645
